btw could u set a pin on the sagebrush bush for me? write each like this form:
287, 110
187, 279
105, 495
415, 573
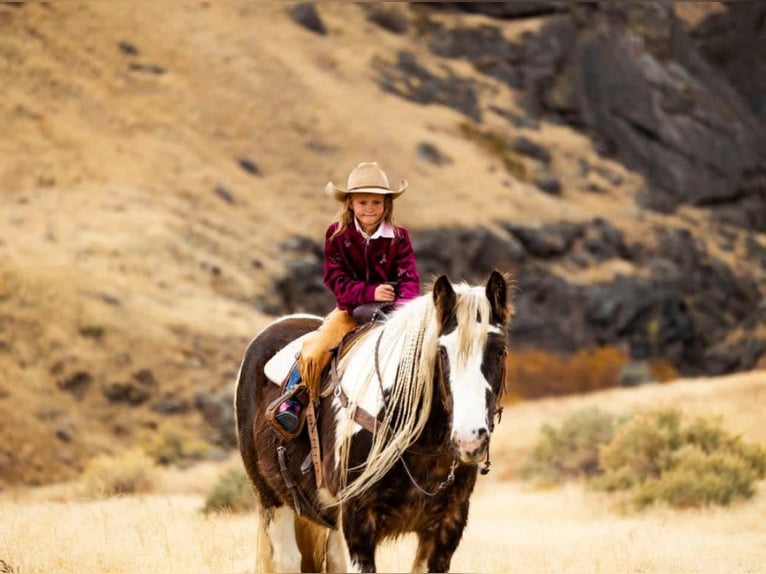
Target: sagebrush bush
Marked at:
130, 472
697, 478
172, 443
572, 450
232, 493
652, 455
707, 434
658, 456
641, 449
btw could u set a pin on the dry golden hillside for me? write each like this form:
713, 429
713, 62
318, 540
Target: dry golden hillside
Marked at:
154, 158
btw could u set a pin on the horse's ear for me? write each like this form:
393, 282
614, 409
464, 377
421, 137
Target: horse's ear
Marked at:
445, 301
497, 293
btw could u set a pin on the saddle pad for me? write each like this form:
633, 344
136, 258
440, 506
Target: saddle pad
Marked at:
277, 368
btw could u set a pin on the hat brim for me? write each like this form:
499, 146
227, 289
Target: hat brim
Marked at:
340, 194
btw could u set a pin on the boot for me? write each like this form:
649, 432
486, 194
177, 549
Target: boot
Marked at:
288, 413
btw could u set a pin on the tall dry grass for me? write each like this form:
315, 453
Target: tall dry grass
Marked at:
512, 527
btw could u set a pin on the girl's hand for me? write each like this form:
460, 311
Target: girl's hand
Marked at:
385, 292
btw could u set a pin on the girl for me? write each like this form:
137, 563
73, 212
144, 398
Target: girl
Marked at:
367, 258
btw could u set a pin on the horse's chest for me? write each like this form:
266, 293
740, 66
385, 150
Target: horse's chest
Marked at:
396, 516
405, 508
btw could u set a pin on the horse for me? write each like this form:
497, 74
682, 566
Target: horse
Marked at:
404, 422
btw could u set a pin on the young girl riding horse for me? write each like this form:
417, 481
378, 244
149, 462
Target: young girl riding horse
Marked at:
367, 259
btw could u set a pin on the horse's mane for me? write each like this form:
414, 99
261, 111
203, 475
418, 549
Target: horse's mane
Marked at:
406, 348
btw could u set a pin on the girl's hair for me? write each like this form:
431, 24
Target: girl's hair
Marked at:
345, 215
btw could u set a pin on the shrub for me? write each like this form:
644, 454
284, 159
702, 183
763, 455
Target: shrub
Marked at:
706, 433
130, 472
532, 373
172, 443
641, 449
697, 478
657, 456
231, 493
571, 451
662, 369
653, 456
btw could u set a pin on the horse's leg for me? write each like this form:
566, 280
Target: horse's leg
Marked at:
359, 532
437, 545
433, 554
322, 549
312, 543
425, 549
337, 552
277, 546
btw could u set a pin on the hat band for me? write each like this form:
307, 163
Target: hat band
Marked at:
367, 187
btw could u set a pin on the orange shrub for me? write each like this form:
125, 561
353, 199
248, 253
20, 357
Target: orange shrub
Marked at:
663, 370
532, 373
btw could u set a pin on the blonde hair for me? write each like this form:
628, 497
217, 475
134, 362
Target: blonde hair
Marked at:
345, 215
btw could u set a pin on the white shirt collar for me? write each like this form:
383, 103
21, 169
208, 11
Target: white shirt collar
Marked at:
384, 230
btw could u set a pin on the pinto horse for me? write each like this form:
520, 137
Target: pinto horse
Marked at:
403, 424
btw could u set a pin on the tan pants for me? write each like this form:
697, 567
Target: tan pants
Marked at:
316, 350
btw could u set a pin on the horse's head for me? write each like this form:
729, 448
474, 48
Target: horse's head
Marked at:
472, 343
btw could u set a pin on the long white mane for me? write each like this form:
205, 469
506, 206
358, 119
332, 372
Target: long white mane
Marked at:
399, 357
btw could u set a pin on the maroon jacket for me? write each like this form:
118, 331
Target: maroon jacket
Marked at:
354, 266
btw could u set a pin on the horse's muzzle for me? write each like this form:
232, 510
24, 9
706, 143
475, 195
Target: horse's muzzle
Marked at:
471, 449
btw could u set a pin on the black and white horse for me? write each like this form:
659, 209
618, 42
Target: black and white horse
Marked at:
429, 378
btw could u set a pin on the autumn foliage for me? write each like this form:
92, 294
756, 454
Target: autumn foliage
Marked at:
533, 373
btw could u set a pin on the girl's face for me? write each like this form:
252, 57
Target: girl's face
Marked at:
368, 209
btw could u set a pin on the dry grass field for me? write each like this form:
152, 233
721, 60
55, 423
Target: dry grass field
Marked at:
512, 527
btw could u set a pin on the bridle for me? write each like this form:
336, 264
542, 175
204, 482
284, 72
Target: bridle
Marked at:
442, 377
374, 424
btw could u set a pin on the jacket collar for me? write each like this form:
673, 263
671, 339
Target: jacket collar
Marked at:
384, 230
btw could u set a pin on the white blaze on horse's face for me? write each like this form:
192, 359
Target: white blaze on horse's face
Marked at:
470, 390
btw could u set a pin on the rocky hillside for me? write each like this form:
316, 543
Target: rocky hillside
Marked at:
656, 95
162, 167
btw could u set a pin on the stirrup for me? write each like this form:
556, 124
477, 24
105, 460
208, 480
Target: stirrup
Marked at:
278, 412
288, 415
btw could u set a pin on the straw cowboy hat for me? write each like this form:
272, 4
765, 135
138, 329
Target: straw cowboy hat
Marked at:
367, 177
